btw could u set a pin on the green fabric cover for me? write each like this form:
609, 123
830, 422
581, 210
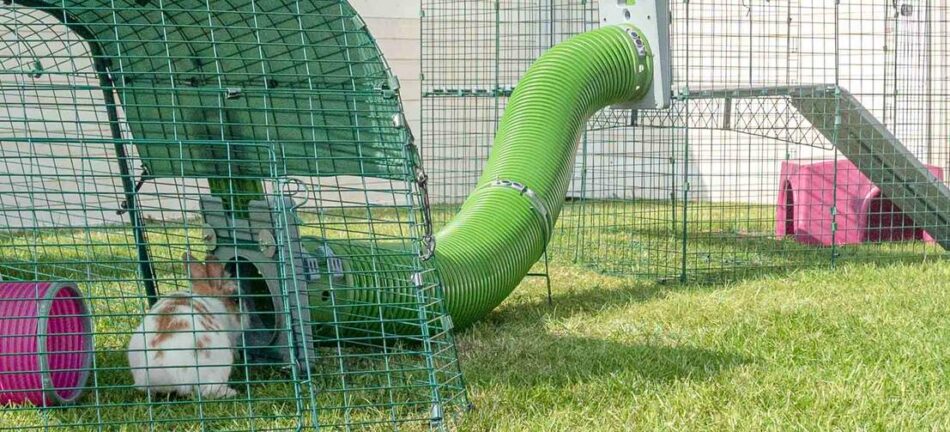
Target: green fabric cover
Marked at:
262, 88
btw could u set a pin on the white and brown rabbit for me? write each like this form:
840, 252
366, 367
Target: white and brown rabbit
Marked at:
187, 341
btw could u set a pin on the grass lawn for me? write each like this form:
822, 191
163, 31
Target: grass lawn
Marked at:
787, 345
865, 347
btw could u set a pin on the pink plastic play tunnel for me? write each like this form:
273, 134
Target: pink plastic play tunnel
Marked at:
45, 343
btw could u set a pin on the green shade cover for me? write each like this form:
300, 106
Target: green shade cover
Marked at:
269, 88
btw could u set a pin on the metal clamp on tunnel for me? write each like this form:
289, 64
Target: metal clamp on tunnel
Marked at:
547, 220
650, 35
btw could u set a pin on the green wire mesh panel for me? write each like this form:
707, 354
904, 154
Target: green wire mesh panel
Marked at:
782, 176
473, 55
268, 135
695, 191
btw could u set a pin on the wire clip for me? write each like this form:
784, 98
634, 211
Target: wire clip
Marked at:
422, 182
125, 205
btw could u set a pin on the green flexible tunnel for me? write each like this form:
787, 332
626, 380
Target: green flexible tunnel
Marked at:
504, 225
219, 133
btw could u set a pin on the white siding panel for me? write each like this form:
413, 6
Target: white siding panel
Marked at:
387, 8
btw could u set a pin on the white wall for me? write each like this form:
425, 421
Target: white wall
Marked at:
395, 25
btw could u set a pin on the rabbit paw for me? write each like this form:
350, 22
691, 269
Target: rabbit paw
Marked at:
218, 391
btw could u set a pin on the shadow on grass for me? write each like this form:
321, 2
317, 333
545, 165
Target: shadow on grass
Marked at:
267, 399
558, 360
725, 242
723, 258
584, 290
570, 301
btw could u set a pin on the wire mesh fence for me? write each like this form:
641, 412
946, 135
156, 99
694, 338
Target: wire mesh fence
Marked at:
801, 133
215, 218
211, 220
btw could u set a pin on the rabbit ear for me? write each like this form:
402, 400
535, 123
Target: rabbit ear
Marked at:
215, 269
196, 268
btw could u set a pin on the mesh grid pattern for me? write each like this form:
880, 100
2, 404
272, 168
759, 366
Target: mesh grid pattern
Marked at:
695, 191
266, 133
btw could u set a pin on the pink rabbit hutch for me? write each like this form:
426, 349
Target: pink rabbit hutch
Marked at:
810, 194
